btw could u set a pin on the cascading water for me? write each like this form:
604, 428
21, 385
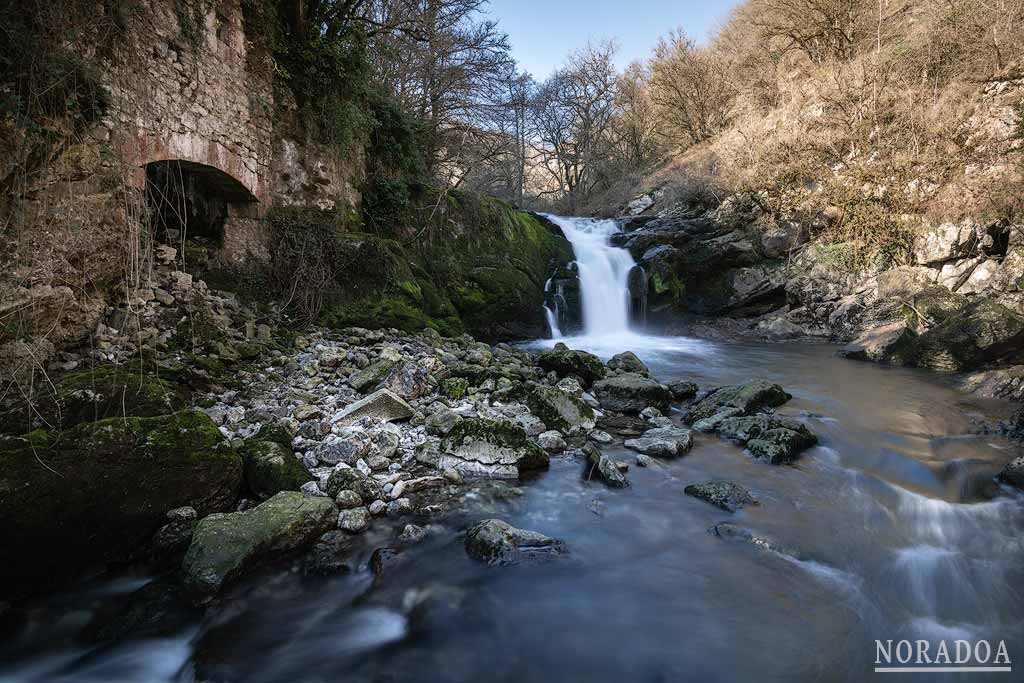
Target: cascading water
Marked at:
603, 274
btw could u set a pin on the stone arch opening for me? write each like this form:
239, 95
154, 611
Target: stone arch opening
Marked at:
189, 201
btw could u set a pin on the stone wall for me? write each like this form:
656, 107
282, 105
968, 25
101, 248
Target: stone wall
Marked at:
188, 81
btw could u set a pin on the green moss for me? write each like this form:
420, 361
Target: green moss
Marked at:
269, 467
94, 492
454, 387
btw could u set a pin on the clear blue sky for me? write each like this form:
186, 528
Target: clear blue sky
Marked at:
543, 32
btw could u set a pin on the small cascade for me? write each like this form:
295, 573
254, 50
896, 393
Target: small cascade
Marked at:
604, 274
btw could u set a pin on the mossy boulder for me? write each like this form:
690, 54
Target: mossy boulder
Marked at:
269, 468
454, 387
488, 448
496, 542
93, 395
225, 545
628, 361
980, 332
372, 375
559, 410
722, 494
566, 362
769, 437
93, 493
630, 393
747, 398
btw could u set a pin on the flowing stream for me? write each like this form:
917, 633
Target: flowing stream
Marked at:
891, 528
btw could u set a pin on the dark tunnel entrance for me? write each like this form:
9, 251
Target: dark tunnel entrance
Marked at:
189, 201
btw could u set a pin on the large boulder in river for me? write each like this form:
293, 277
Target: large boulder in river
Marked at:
494, 449
564, 362
980, 332
224, 545
630, 393
95, 492
747, 398
269, 467
628, 361
769, 437
496, 542
560, 410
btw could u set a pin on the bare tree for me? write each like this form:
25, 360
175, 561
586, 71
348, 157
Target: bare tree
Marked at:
820, 29
634, 124
691, 90
572, 113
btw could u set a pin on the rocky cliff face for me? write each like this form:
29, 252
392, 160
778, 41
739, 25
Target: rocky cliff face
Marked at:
958, 306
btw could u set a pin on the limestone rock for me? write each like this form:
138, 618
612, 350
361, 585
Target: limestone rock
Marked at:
628, 362
564, 362
488, 448
723, 494
663, 442
382, 404
224, 545
748, 398
559, 410
604, 467
630, 393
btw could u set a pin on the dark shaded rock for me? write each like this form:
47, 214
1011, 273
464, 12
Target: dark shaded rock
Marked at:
559, 410
157, 609
330, 555
225, 545
605, 468
173, 538
630, 393
663, 442
683, 390
749, 398
722, 494
269, 467
385, 559
351, 479
1013, 473
496, 542
623, 425
565, 362
628, 362
371, 376
95, 492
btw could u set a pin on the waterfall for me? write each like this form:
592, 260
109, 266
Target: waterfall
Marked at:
603, 272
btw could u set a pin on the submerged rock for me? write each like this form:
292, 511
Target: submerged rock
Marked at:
559, 410
269, 467
723, 494
381, 404
663, 442
605, 468
95, 492
497, 542
683, 390
225, 545
630, 393
732, 532
487, 448
748, 398
564, 362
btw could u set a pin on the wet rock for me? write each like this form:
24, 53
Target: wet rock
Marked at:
173, 538
95, 492
663, 442
442, 422
559, 410
769, 437
682, 390
748, 398
551, 441
710, 424
565, 362
268, 468
644, 461
155, 610
386, 559
382, 404
570, 386
354, 520
496, 542
723, 494
601, 437
630, 393
604, 467
627, 361
487, 448
225, 545
330, 555
412, 534
1013, 473
732, 532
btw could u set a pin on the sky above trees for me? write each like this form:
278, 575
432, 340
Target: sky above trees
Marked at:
542, 32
